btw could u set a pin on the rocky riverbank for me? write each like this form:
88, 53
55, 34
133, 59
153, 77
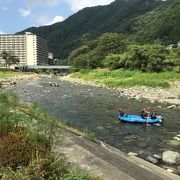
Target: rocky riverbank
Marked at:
169, 96
12, 81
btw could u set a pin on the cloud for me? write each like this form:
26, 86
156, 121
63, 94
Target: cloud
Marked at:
24, 12
77, 5
55, 20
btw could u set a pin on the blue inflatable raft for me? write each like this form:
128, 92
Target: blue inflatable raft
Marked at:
139, 119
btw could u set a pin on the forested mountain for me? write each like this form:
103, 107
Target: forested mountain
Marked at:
141, 20
161, 24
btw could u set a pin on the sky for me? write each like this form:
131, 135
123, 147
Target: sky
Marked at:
17, 15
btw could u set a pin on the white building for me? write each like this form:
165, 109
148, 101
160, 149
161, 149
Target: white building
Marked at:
30, 49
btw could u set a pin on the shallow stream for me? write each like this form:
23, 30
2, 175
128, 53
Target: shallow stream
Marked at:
95, 109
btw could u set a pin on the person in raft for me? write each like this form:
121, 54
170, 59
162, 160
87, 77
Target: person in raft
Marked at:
154, 114
144, 113
121, 113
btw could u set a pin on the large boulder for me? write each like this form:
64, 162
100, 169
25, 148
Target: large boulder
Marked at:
170, 157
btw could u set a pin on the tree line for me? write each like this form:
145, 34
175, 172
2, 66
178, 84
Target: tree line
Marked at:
114, 51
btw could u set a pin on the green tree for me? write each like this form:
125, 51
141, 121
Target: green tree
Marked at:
10, 58
146, 57
85, 39
172, 61
115, 61
93, 52
111, 43
81, 61
95, 59
74, 54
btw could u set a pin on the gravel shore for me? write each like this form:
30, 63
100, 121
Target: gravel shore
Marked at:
12, 81
168, 96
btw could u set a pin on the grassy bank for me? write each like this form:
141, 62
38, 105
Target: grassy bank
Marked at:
6, 74
27, 139
127, 78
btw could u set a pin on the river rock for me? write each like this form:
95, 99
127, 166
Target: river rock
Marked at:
158, 157
100, 128
131, 137
176, 138
170, 157
174, 142
108, 125
171, 107
144, 153
132, 154
54, 84
169, 170
152, 159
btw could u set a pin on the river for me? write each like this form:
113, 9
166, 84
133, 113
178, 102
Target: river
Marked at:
95, 109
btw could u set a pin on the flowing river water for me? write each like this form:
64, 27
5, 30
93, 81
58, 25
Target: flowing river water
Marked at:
95, 109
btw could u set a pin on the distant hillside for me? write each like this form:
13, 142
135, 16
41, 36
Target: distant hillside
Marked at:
143, 20
161, 24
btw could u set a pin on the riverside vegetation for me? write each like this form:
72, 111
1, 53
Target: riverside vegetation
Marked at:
6, 74
114, 61
114, 51
28, 136
128, 78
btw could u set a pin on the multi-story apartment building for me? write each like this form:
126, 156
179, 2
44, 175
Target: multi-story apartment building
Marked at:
30, 49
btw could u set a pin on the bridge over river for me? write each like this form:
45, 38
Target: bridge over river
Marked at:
50, 67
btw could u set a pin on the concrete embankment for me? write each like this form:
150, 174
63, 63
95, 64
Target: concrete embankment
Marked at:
108, 163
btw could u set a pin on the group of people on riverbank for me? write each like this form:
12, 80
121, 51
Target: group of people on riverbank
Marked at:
145, 114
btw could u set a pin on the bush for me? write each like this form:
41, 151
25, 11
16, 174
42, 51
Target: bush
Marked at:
25, 144
49, 167
9, 118
16, 150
